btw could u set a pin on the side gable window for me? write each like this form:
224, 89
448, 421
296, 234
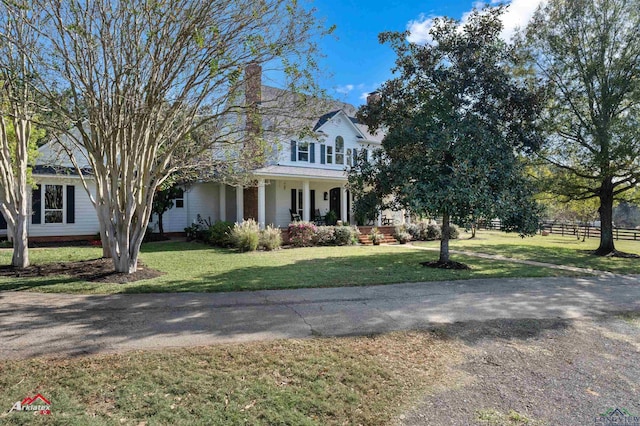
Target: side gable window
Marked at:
53, 204
179, 199
339, 150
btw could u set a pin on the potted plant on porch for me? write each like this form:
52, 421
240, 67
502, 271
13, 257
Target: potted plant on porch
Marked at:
375, 236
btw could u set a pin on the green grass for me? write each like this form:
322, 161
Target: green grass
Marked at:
554, 249
357, 380
198, 268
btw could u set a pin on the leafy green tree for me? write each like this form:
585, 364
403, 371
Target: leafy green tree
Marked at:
587, 55
163, 202
455, 119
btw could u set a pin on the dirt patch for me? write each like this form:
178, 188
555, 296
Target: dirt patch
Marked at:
538, 372
445, 265
95, 270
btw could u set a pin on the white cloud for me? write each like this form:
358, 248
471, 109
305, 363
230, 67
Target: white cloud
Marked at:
517, 15
419, 30
346, 89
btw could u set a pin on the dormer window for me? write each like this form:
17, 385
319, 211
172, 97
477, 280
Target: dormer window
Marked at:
339, 150
303, 151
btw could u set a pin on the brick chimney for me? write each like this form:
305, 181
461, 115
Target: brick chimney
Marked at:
253, 82
373, 97
253, 151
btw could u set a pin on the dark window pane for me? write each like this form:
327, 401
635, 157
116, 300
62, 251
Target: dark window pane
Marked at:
53, 197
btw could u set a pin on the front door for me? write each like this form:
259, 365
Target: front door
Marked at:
334, 201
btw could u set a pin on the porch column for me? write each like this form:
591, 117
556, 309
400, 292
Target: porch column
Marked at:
343, 204
222, 195
306, 201
379, 221
261, 203
239, 203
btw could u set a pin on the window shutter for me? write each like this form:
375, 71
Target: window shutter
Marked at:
3, 222
365, 155
71, 204
322, 153
294, 151
355, 157
312, 152
36, 205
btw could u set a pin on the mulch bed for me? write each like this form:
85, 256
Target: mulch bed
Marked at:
445, 265
95, 270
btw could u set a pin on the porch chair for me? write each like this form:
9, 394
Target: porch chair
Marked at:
318, 219
295, 217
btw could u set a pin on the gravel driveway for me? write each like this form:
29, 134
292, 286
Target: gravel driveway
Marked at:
550, 372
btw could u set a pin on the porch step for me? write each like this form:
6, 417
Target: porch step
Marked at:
387, 231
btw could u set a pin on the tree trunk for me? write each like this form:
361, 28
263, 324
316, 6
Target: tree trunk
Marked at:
606, 219
20, 243
444, 241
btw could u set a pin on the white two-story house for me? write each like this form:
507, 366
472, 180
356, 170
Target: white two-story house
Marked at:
302, 176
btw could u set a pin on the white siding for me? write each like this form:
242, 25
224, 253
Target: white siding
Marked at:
338, 125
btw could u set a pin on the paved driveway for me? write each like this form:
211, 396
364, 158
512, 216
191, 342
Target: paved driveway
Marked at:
34, 324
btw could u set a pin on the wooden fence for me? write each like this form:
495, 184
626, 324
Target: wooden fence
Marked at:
574, 229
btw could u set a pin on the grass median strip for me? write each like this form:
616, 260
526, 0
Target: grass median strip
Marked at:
198, 268
355, 380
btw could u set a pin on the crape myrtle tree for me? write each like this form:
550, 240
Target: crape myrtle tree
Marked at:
17, 133
145, 76
455, 119
587, 54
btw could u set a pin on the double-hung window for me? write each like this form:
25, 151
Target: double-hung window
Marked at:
303, 151
339, 150
53, 204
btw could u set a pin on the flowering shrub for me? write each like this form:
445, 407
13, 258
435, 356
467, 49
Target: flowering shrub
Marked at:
401, 235
301, 234
270, 238
346, 235
245, 236
325, 236
425, 231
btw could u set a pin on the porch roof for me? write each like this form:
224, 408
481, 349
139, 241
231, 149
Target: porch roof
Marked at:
301, 172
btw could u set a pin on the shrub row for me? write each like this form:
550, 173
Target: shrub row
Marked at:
306, 234
245, 236
423, 231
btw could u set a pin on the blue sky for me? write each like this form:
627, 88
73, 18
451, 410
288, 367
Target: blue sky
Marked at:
356, 63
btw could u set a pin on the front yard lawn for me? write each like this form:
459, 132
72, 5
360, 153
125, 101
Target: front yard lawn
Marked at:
192, 267
358, 380
554, 249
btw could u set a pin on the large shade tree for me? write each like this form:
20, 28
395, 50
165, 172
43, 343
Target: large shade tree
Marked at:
587, 54
146, 76
455, 119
